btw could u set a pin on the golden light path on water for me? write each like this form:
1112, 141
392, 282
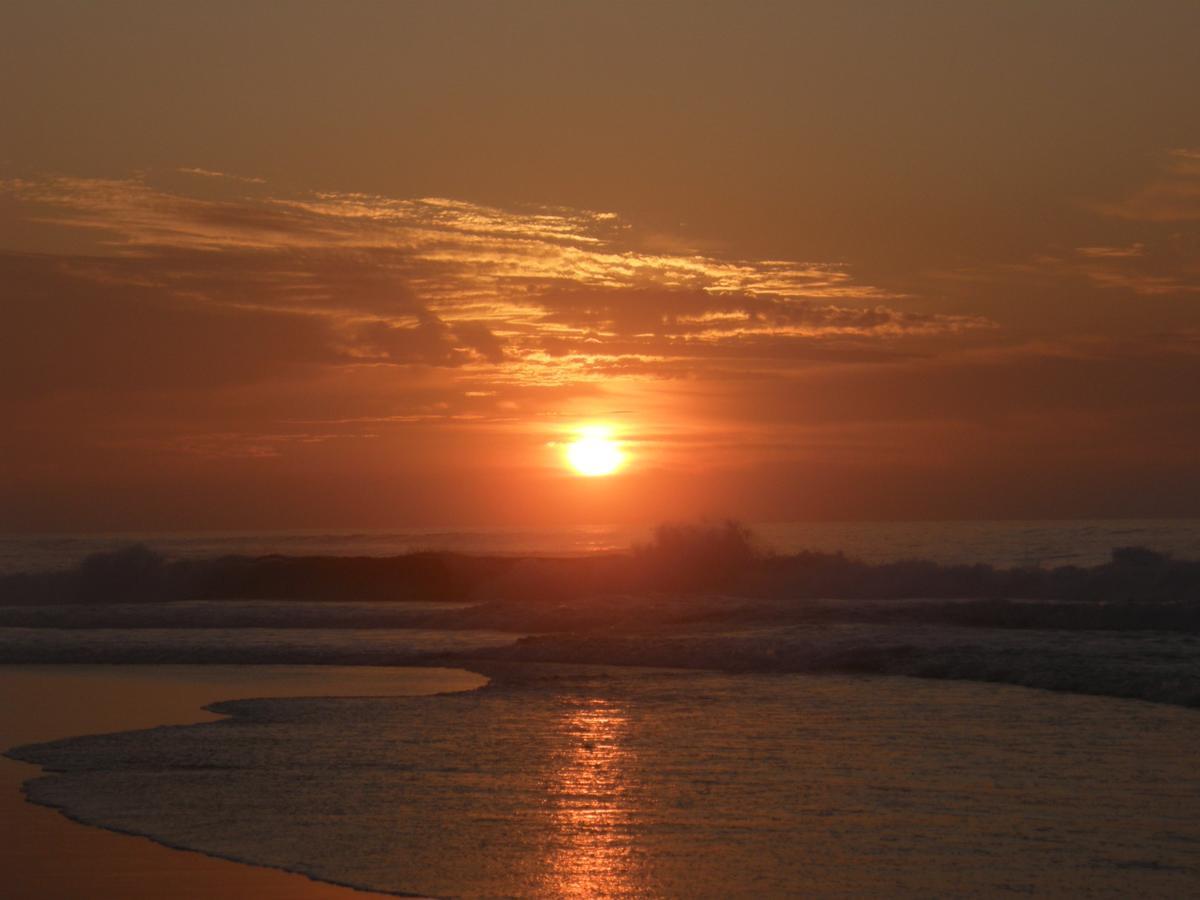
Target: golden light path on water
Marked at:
591, 855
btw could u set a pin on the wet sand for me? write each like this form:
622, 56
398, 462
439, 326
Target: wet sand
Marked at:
44, 855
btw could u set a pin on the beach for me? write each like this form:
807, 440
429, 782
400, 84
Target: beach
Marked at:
45, 855
560, 780
599, 450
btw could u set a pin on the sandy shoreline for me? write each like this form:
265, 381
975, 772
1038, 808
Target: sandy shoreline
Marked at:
44, 855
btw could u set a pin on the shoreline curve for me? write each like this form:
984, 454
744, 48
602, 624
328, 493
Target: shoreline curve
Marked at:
48, 853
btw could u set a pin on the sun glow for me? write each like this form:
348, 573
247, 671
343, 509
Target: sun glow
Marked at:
595, 452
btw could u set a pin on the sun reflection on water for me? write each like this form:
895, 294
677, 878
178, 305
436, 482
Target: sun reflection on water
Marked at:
591, 854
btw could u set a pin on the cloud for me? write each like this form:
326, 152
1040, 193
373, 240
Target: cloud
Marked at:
701, 316
73, 324
1184, 161
343, 331
60, 331
1172, 196
450, 249
1131, 251
1148, 249
209, 173
429, 340
447, 283
1152, 267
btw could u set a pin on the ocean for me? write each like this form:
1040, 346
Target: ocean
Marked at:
1080, 542
649, 755
619, 782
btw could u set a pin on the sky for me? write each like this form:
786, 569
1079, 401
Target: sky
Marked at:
368, 265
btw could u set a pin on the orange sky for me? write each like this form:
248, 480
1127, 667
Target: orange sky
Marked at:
306, 265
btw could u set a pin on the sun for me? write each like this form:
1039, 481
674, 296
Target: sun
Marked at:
594, 452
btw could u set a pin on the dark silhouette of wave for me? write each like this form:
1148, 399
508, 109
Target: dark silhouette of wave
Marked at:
679, 561
137, 574
694, 596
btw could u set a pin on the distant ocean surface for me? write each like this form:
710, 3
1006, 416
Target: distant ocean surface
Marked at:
1081, 542
695, 767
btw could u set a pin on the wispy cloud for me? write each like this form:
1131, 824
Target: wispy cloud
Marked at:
462, 248
548, 294
209, 173
1172, 195
1130, 251
1151, 249
1137, 269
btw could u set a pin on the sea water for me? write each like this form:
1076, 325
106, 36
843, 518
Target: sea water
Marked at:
1008, 543
603, 782
623, 782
